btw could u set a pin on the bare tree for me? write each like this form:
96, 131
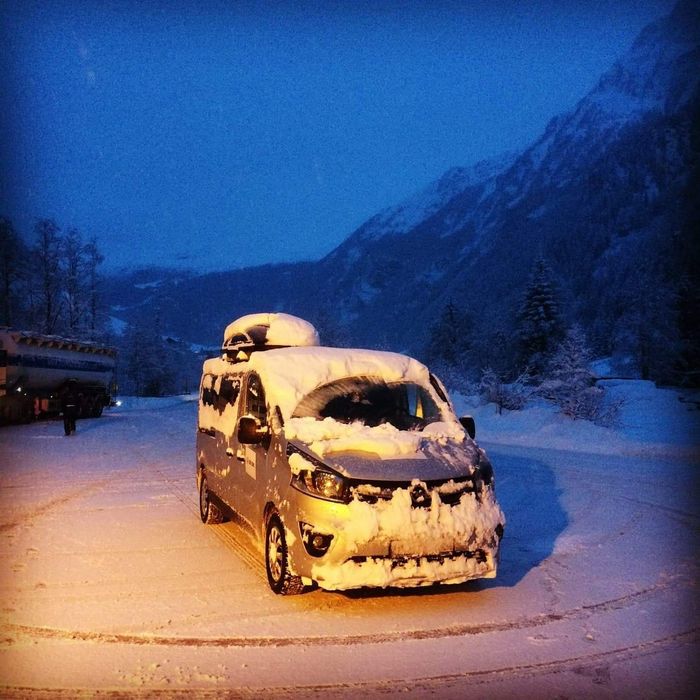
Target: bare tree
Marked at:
48, 257
73, 293
93, 259
13, 255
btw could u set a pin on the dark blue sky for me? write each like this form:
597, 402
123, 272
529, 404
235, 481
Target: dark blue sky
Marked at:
223, 134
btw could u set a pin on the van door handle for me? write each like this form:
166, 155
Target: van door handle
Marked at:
229, 453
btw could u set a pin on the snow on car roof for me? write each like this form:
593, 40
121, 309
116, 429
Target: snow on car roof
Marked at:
274, 329
289, 374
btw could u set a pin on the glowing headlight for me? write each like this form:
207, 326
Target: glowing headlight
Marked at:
322, 483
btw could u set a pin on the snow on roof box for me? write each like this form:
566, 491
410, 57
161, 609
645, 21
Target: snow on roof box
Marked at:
269, 330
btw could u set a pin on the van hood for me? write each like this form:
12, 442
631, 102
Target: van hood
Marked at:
441, 450
432, 462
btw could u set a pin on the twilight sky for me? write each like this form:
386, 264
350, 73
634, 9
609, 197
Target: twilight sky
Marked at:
218, 134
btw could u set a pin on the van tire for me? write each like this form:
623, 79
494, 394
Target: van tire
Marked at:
277, 560
208, 511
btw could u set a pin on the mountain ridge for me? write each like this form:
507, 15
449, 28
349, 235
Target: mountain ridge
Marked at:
602, 181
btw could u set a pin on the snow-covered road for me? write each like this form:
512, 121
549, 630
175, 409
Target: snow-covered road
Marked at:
110, 582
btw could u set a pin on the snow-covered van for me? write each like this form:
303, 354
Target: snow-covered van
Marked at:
350, 466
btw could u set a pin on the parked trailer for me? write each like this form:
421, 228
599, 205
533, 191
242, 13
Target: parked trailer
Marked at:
35, 370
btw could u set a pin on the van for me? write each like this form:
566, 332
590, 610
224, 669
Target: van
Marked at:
349, 465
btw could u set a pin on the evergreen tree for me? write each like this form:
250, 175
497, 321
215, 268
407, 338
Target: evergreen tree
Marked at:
330, 332
149, 362
647, 332
539, 319
450, 338
571, 383
569, 365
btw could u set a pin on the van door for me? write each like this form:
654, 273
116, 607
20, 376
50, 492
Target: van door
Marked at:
218, 412
228, 403
253, 457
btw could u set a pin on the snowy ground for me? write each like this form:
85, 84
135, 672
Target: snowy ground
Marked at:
111, 584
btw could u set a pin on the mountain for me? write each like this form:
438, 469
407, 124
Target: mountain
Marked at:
607, 195
615, 166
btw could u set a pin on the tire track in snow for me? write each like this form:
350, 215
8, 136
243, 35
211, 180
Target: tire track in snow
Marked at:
420, 686
251, 557
580, 613
38, 511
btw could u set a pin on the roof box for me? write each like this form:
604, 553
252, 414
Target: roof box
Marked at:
266, 331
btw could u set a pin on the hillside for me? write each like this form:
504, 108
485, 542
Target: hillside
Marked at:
607, 195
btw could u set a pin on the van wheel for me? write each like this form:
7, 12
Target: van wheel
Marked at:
277, 560
210, 513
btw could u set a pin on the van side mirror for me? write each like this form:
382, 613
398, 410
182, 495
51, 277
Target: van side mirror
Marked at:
249, 431
469, 425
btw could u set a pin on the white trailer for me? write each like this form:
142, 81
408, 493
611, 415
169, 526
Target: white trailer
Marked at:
35, 369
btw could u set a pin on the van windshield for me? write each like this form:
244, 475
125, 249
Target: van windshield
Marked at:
371, 401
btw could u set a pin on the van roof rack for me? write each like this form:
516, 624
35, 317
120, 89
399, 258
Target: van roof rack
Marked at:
266, 331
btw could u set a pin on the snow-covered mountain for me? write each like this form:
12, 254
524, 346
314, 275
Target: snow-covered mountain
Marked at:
616, 167
405, 216
608, 195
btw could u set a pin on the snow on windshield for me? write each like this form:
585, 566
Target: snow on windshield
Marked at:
372, 402
330, 436
369, 415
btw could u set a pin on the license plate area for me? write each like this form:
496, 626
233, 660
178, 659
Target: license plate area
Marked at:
434, 547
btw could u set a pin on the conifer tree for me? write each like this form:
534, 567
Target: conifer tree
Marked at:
571, 384
450, 337
539, 318
569, 365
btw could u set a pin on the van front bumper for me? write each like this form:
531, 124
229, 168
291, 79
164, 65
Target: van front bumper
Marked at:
372, 546
405, 572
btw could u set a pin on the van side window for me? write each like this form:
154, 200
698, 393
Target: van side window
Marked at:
230, 387
255, 399
208, 393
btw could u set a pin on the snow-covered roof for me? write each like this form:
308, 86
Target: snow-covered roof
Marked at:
275, 329
289, 374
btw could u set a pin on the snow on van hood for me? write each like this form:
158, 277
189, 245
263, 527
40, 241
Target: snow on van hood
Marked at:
439, 451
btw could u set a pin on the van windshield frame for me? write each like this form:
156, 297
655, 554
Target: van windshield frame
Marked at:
372, 401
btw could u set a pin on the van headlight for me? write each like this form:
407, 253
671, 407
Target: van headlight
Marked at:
322, 482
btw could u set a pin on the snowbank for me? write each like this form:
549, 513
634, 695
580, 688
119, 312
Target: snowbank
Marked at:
652, 421
150, 403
